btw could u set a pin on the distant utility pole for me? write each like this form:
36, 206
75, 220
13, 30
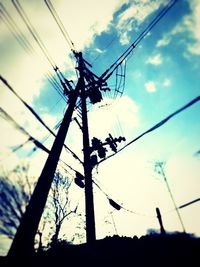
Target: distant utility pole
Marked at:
23, 243
160, 170
162, 229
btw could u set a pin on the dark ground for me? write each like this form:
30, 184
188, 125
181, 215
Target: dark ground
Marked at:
150, 250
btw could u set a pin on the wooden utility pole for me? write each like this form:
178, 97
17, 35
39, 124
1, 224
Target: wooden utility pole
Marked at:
162, 230
23, 243
89, 203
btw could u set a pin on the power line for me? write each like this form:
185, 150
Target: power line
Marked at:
36, 115
156, 126
27, 46
115, 205
7, 117
60, 24
37, 143
129, 50
189, 203
33, 32
14, 29
21, 12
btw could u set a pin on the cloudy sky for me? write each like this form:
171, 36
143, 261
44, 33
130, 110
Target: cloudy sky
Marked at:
162, 75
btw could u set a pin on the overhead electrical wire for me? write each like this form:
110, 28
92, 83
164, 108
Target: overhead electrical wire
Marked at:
27, 46
37, 143
36, 115
115, 205
14, 29
129, 50
33, 32
189, 203
60, 24
156, 126
15, 149
7, 117
65, 83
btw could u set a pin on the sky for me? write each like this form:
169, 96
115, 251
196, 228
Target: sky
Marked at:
162, 75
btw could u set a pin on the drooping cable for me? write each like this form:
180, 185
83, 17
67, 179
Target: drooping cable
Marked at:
115, 205
36, 115
195, 100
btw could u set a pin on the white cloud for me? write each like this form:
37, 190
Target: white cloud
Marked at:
155, 60
26, 72
123, 111
163, 42
167, 83
137, 74
193, 24
150, 87
190, 24
99, 51
133, 16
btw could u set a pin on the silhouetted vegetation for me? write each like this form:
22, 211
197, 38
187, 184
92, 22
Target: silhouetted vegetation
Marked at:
15, 193
16, 187
175, 249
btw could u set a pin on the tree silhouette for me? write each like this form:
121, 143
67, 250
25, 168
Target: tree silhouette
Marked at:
16, 187
15, 192
59, 205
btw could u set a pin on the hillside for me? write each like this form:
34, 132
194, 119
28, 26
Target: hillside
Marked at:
149, 250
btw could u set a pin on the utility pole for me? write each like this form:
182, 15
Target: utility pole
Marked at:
162, 229
23, 243
160, 170
89, 203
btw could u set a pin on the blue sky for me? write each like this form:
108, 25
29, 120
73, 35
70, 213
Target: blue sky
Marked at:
162, 75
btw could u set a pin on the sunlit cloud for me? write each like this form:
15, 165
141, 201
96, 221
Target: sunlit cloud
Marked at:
155, 60
163, 42
133, 16
189, 25
167, 83
150, 87
99, 51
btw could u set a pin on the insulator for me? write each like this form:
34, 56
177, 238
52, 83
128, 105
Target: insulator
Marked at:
121, 139
79, 183
114, 204
102, 152
79, 176
95, 95
113, 146
111, 143
105, 89
93, 160
96, 143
